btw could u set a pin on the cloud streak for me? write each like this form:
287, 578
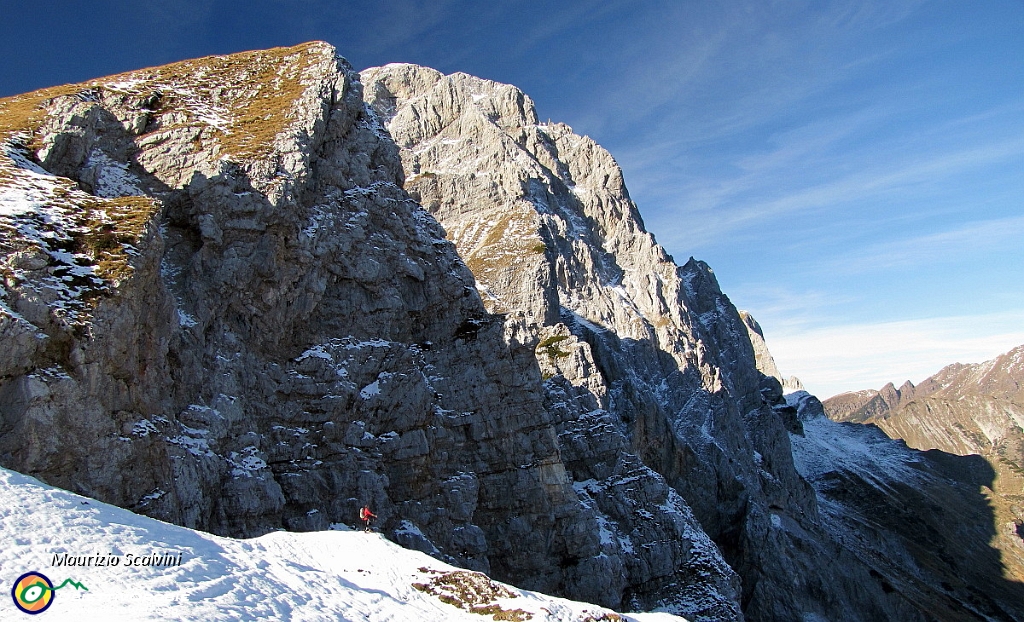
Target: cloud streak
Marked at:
723, 206
945, 246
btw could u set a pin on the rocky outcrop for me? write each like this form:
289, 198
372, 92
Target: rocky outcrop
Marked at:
762, 357
656, 350
290, 336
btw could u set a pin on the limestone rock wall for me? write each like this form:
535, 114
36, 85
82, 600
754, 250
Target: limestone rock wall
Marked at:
657, 350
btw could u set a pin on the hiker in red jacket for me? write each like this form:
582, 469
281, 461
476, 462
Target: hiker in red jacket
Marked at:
365, 514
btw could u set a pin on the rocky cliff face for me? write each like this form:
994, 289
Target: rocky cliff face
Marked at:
763, 358
621, 332
221, 309
964, 410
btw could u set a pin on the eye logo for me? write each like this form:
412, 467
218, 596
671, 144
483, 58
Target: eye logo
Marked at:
33, 592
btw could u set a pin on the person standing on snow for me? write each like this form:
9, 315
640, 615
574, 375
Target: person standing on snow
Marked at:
365, 515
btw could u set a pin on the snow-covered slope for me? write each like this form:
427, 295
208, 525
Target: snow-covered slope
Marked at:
326, 575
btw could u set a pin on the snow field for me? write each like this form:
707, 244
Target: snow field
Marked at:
331, 575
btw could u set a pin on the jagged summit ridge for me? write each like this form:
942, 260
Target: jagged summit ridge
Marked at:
507, 190
552, 206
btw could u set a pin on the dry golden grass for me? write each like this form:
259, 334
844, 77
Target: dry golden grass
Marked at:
253, 93
109, 225
662, 321
497, 613
476, 593
498, 232
261, 88
479, 264
257, 90
511, 238
25, 113
98, 227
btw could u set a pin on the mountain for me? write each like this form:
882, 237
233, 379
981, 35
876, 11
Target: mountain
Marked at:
255, 292
222, 310
131, 567
965, 410
655, 350
925, 523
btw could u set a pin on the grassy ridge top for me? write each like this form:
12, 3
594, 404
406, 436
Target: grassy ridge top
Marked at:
242, 100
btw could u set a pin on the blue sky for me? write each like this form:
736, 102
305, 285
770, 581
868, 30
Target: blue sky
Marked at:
852, 171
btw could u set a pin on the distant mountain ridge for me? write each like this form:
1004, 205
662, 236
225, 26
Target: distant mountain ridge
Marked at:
964, 409
1001, 377
998, 384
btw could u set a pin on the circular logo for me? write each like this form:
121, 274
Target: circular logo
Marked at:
32, 592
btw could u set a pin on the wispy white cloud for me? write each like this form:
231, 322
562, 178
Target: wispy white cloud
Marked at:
837, 358
790, 310
560, 19
721, 208
767, 58
409, 25
749, 161
950, 245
